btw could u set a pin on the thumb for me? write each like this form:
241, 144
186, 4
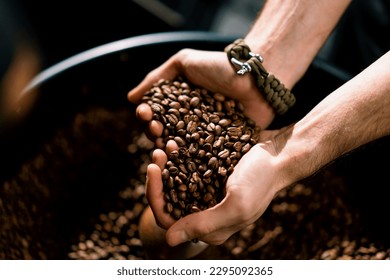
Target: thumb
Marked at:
213, 226
167, 71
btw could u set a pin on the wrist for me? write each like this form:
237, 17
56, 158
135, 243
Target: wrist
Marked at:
274, 91
296, 156
283, 63
282, 51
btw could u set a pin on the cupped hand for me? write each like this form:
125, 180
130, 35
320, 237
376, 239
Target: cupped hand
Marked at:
210, 70
244, 201
249, 190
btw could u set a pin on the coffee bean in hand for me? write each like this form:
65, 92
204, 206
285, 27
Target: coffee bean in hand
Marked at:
212, 134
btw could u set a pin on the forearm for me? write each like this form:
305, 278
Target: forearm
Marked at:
289, 33
356, 113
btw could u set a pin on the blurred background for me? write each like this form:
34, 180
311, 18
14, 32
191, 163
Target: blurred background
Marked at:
56, 30
64, 28
38, 34
42, 33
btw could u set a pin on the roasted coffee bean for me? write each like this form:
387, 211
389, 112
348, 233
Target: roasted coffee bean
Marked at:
193, 149
194, 209
170, 182
179, 141
196, 177
178, 181
176, 213
224, 122
245, 138
210, 189
218, 130
235, 155
209, 139
173, 196
175, 105
182, 205
182, 188
174, 112
169, 207
191, 166
192, 187
208, 173
173, 170
182, 168
224, 154
234, 131
207, 147
210, 127
165, 174
180, 125
192, 126
246, 148
194, 102
195, 137
182, 195
237, 146
181, 132
221, 171
183, 176
183, 111
214, 118
219, 143
213, 163
174, 155
171, 96
212, 134
157, 108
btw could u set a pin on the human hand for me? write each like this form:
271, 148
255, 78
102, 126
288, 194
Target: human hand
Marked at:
248, 194
209, 70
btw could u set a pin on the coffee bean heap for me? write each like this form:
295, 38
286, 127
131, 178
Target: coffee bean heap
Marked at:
212, 134
315, 219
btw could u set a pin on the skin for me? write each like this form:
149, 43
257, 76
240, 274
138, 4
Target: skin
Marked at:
354, 114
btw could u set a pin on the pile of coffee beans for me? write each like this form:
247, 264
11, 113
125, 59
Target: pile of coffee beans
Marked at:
52, 208
212, 134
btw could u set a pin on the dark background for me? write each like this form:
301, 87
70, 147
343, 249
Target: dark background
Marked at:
65, 28
62, 29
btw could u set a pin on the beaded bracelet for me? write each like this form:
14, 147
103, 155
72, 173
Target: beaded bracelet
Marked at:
273, 90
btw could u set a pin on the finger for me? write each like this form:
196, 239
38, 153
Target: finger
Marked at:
213, 226
171, 146
155, 196
167, 71
135, 95
159, 158
159, 143
156, 128
144, 112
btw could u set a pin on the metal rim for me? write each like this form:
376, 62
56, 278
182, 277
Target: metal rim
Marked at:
128, 43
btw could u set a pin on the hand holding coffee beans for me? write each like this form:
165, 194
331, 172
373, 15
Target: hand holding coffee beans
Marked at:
212, 134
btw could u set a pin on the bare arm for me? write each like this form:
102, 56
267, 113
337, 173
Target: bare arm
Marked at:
289, 34
356, 113
353, 115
